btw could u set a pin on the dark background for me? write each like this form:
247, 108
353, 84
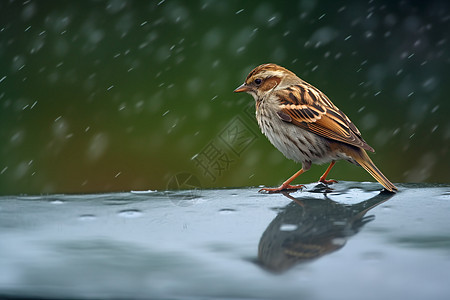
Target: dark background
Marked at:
123, 95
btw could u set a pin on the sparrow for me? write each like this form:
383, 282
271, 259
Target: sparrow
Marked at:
304, 125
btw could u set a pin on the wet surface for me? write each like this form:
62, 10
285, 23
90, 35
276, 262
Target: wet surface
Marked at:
349, 242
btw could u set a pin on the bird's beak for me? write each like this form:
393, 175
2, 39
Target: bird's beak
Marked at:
242, 88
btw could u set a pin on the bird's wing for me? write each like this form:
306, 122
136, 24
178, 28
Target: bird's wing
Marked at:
303, 108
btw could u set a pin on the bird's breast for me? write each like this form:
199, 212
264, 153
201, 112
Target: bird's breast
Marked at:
294, 142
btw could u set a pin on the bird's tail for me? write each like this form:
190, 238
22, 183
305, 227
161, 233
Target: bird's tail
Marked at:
364, 161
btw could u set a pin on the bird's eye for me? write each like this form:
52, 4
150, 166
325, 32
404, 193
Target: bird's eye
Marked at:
258, 81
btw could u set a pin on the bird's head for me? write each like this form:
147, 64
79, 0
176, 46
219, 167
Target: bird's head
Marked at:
263, 79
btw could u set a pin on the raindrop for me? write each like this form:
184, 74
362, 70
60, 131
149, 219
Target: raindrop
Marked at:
97, 146
60, 128
369, 121
28, 11
213, 38
322, 36
130, 213
430, 84
18, 63
288, 227
115, 6
272, 19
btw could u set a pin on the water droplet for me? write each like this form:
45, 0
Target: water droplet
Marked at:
4, 170
435, 109
288, 227
130, 213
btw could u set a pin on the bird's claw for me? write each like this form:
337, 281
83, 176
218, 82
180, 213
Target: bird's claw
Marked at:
327, 181
282, 188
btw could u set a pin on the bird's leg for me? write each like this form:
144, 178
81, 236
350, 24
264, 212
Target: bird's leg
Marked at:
323, 178
286, 185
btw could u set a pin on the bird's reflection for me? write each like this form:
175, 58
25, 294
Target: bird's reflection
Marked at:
309, 228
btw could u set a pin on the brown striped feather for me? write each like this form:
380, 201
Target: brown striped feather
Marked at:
319, 117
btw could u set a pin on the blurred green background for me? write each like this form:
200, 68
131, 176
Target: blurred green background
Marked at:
117, 95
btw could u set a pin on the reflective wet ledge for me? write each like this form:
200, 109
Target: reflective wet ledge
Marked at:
349, 241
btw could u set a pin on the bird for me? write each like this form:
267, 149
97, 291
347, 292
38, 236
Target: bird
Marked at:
304, 125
